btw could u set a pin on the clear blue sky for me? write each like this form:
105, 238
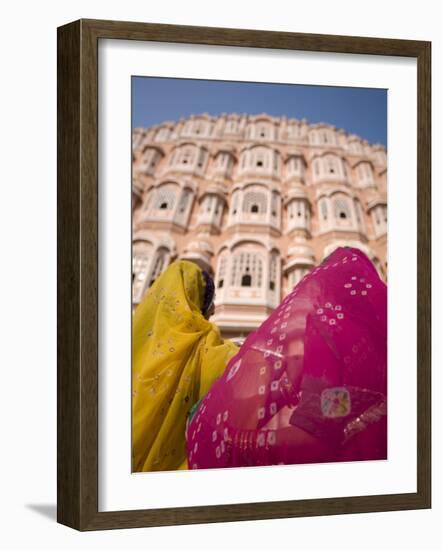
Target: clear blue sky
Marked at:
361, 111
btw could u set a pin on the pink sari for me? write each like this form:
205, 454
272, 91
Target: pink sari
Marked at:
310, 384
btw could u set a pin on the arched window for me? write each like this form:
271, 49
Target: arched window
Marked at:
262, 132
187, 156
201, 157
342, 211
141, 255
275, 203
298, 214
379, 218
255, 202
199, 128
259, 160
140, 261
358, 212
295, 167
324, 212
235, 202
222, 270
364, 173
184, 200
223, 164
159, 265
330, 165
273, 271
165, 198
151, 158
247, 269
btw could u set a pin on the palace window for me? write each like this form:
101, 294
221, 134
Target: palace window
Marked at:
275, 201
342, 210
184, 200
222, 269
187, 156
141, 254
151, 157
165, 198
324, 212
139, 267
255, 202
235, 201
358, 212
331, 165
364, 173
201, 158
247, 269
273, 272
158, 266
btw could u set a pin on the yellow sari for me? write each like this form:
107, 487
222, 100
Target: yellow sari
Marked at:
176, 357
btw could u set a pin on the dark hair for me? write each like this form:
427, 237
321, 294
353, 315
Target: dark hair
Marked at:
209, 292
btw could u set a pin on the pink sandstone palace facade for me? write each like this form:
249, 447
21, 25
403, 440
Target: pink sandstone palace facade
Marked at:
258, 201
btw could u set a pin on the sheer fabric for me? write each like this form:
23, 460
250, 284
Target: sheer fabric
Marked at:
176, 356
310, 384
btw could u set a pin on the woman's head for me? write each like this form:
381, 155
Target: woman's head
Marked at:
208, 307
183, 277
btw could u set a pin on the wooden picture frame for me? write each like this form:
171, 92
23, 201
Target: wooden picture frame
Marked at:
77, 225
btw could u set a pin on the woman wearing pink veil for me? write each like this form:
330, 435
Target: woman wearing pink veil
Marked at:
310, 384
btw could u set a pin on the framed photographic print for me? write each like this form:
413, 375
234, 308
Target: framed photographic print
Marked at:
243, 274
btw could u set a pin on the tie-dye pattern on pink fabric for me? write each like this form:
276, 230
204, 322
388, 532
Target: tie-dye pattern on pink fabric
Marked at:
310, 385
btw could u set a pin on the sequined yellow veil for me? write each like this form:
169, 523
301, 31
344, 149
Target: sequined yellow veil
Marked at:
176, 356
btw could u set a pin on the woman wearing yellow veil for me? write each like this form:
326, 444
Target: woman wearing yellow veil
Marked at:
177, 354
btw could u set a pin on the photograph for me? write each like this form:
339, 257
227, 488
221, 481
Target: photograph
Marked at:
259, 274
